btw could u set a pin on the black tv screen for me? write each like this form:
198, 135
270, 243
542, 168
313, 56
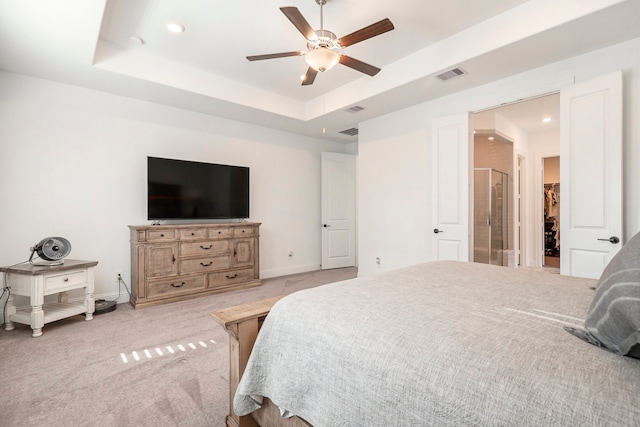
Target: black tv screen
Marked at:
180, 189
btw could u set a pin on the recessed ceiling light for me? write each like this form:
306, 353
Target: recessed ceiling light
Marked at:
175, 27
546, 119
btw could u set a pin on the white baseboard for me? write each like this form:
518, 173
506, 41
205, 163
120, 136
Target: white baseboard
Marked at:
277, 272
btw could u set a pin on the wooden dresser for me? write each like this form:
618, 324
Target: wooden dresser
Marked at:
177, 262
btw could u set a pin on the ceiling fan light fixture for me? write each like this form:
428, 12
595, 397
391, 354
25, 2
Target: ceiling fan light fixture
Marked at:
322, 59
323, 46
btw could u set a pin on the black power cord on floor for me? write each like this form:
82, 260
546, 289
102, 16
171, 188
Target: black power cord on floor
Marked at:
6, 290
122, 282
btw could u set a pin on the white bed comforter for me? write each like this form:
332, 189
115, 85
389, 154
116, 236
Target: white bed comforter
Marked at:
440, 344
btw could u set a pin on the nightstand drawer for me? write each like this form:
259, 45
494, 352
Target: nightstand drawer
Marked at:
64, 281
177, 285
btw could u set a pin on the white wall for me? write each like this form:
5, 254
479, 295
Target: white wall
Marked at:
552, 170
73, 164
521, 148
395, 160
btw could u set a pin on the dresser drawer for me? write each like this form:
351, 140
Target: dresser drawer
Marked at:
202, 265
204, 248
192, 233
68, 280
161, 235
230, 277
175, 286
242, 231
219, 233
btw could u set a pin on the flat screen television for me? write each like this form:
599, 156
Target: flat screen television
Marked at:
181, 189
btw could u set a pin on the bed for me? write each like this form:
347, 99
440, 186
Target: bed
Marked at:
442, 343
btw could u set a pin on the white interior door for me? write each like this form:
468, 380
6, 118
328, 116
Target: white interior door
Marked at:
590, 175
338, 210
451, 151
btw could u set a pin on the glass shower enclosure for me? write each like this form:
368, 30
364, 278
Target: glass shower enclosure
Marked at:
491, 217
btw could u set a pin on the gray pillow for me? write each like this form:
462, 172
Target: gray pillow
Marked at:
613, 320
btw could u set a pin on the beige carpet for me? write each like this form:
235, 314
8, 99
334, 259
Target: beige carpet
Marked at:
159, 366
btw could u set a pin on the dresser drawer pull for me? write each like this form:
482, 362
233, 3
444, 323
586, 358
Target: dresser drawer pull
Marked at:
232, 277
66, 279
173, 285
202, 247
207, 264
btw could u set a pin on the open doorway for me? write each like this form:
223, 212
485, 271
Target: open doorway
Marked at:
531, 131
590, 149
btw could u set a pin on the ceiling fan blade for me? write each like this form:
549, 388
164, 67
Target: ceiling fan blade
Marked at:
299, 21
273, 55
359, 65
309, 77
367, 32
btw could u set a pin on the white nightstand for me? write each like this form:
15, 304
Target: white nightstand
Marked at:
37, 281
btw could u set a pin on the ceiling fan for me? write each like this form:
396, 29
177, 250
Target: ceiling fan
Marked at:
322, 45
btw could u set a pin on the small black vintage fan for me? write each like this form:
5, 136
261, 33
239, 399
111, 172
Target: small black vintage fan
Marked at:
322, 45
51, 250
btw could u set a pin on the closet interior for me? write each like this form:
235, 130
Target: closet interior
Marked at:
551, 214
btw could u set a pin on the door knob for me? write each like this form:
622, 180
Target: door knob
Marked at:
326, 225
435, 230
613, 239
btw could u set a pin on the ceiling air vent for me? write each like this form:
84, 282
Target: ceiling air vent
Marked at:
453, 73
354, 109
350, 132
